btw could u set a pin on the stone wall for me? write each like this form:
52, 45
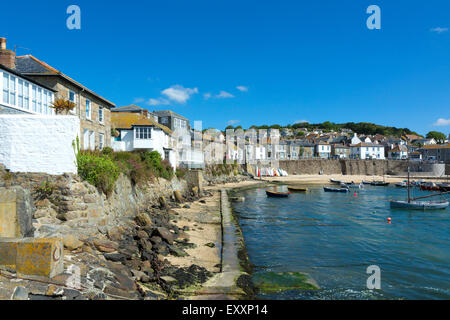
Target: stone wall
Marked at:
38, 143
76, 205
346, 167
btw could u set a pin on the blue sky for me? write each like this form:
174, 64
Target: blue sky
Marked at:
292, 60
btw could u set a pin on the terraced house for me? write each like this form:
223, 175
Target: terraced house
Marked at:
92, 109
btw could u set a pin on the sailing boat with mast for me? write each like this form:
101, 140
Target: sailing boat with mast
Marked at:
413, 204
380, 183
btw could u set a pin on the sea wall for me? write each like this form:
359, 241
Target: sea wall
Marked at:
345, 167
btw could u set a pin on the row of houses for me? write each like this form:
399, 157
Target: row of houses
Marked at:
29, 85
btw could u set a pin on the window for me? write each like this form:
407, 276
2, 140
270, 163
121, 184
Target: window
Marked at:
101, 141
39, 100
100, 114
20, 93
91, 140
9, 89
142, 133
88, 109
26, 93
33, 97
72, 98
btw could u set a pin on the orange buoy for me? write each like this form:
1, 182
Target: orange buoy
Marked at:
356, 194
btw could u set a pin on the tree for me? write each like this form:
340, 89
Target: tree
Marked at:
436, 135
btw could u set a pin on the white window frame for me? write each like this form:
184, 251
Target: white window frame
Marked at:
101, 141
142, 133
101, 112
88, 109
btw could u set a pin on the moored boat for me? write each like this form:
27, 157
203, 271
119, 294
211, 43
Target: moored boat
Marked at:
275, 194
379, 183
352, 185
419, 205
402, 184
327, 189
297, 189
335, 181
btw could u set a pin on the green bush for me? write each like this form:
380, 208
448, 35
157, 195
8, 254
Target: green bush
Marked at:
98, 170
180, 173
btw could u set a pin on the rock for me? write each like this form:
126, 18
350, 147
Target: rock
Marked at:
115, 233
210, 244
53, 290
141, 234
68, 215
72, 294
125, 282
90, 198
202, 201
164, 234
178, 196
20, 293
177, 252
71, 242
115, 257
187, 206
43, 203
137, 274
269, 282
105, 245
143, 219
168, 279
162, 202
116, 292
145, 244
195, 191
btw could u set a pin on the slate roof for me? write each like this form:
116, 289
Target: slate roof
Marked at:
29, 65
168, 113
16, 73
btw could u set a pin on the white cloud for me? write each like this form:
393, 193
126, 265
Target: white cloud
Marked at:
179, 93
231, 122
439, 30
442, 122
157, 102
224, 95
207, 95
138, 100
242, 88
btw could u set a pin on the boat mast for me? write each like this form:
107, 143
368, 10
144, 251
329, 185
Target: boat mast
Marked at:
409, 197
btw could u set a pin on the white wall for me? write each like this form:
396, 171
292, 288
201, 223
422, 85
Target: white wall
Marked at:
38, 143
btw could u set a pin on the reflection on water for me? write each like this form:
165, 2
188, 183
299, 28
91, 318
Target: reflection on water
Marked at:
334, 237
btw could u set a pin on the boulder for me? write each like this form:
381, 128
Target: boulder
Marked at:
143, 219
71, 242
178, 196
105, 245
165, 234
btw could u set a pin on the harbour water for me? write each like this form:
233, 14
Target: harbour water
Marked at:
334, 237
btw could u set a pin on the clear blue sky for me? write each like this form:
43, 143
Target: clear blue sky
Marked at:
298, 60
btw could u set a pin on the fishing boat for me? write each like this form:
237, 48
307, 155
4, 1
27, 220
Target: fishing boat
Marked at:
413, 204
275, 194
327, 189
335, 181
297, 189
352, 185
401, 184
430, 187
366, 182
379, 183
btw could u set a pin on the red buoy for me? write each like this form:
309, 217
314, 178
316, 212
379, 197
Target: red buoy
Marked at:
389, 220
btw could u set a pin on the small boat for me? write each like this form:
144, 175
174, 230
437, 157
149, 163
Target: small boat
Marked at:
366, 182
275, 194
327, 189
402, 184
335, 181
297, 189
419, 205
379, 183
413, 204
352, 185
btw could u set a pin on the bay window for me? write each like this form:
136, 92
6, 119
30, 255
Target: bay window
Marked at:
142, 133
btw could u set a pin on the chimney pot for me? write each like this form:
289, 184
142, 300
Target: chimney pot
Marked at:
3, 43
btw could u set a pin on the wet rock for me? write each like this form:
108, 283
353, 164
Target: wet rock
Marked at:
168, 279
177, 252
165, 234
115, 257
141, 234
145, 244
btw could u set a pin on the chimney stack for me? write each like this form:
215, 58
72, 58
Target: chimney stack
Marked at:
7, 57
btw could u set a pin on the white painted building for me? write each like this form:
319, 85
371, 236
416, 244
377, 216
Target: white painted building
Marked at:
21, 95
141, 133
39, 143
355, 139
323, 150
364, 151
